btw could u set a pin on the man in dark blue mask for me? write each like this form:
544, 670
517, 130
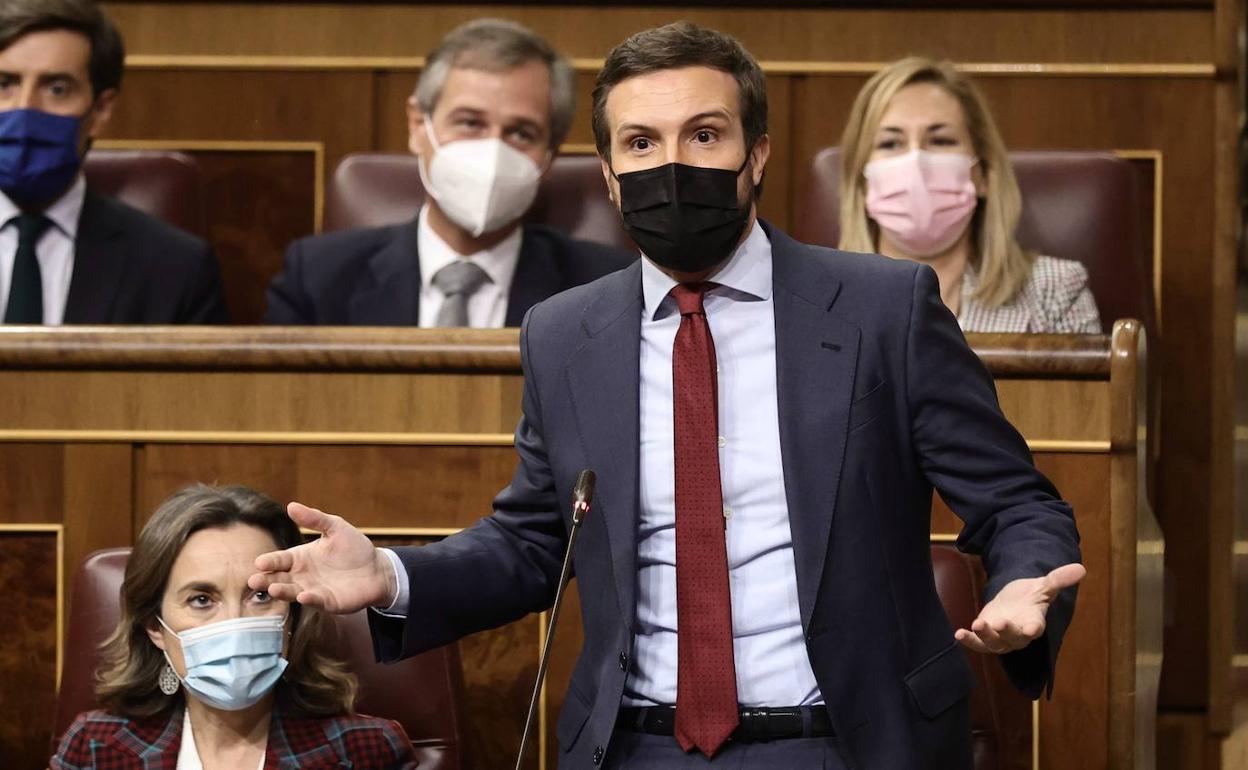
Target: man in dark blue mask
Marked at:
67, 254
768, 421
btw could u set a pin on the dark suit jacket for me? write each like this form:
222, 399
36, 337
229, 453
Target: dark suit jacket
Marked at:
371, 277
880, 400
131, 268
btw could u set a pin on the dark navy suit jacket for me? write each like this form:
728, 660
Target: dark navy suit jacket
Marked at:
371, 276
880, 401
132, 268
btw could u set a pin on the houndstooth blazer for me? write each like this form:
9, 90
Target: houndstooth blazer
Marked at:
1055, 299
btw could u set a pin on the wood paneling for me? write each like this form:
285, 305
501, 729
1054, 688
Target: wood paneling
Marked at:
590, 30
334, 108
28, 563
41, 493
258, 202
371, 486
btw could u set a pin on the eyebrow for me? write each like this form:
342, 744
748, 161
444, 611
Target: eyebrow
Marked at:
199, 585
701, 116
899, 130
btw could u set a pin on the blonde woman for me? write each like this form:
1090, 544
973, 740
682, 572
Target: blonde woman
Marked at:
204, 672
926, 177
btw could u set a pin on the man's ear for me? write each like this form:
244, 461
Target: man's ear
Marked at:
609, 180
101, 113
759, 156
417, 138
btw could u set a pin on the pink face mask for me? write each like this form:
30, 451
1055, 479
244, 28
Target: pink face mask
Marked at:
922, 199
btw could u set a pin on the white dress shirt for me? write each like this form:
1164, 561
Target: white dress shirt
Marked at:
188, 754
487, 307
769, 648
55, 250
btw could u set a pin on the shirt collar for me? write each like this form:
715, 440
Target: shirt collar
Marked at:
745, 276
498, 261
64, 212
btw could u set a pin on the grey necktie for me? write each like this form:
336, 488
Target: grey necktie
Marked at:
457, 281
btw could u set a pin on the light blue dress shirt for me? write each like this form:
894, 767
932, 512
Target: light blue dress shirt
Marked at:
773, 668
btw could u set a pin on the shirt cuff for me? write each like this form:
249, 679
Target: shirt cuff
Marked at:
402, 597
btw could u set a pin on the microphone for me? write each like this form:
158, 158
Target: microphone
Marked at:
582, 496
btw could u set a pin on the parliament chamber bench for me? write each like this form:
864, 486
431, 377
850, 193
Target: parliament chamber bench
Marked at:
408, 433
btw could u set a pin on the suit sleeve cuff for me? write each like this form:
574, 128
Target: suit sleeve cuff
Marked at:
402, 597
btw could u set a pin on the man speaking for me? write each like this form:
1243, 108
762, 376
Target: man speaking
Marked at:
768, 421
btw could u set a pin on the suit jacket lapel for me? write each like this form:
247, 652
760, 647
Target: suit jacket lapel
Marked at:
603, 376
816, 356
537, 277
391, 295
99, 265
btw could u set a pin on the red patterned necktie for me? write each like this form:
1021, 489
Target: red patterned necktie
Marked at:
706, 685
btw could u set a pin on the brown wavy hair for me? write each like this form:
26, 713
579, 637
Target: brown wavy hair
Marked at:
315, 682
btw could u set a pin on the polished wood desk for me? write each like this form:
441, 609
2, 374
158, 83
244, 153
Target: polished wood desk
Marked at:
408, 433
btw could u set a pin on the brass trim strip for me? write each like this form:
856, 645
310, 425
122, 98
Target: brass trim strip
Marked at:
1057, 446
254, 437
592, 65
943, 537
542, 620
1064, 446
59, 530
229, 145
406, 531
1035, 735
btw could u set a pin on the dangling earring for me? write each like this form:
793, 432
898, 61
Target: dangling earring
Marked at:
168, 680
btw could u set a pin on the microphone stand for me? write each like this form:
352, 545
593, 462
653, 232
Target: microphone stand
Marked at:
582, 494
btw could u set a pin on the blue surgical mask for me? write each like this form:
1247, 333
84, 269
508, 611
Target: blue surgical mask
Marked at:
234, 663
39, 155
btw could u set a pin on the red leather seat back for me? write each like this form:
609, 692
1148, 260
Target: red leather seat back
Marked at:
168, 185
1085, 206
421, 693
374, 189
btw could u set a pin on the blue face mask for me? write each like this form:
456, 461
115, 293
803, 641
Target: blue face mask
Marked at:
234, 663
39, 155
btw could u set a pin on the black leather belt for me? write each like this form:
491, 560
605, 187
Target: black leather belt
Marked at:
758, 725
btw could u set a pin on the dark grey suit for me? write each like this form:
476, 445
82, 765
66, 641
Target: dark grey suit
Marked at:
880, 400
371, 277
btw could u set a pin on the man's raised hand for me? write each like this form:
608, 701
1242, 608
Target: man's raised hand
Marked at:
340, 572
1015, 616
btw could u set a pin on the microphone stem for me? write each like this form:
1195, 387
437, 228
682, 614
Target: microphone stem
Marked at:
578, 516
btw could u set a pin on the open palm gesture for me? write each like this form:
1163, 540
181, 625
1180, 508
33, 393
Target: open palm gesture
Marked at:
340, 572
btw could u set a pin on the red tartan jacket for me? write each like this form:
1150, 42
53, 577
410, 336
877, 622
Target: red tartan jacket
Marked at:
105, 741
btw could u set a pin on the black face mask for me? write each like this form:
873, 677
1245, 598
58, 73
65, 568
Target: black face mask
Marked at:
685, 218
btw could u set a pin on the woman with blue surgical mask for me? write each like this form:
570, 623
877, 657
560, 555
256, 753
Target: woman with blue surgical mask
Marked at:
204, 672
926, 177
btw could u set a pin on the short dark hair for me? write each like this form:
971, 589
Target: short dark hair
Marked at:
19, 18
677, 45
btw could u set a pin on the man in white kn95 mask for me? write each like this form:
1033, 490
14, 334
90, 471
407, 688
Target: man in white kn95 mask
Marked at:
493, 104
